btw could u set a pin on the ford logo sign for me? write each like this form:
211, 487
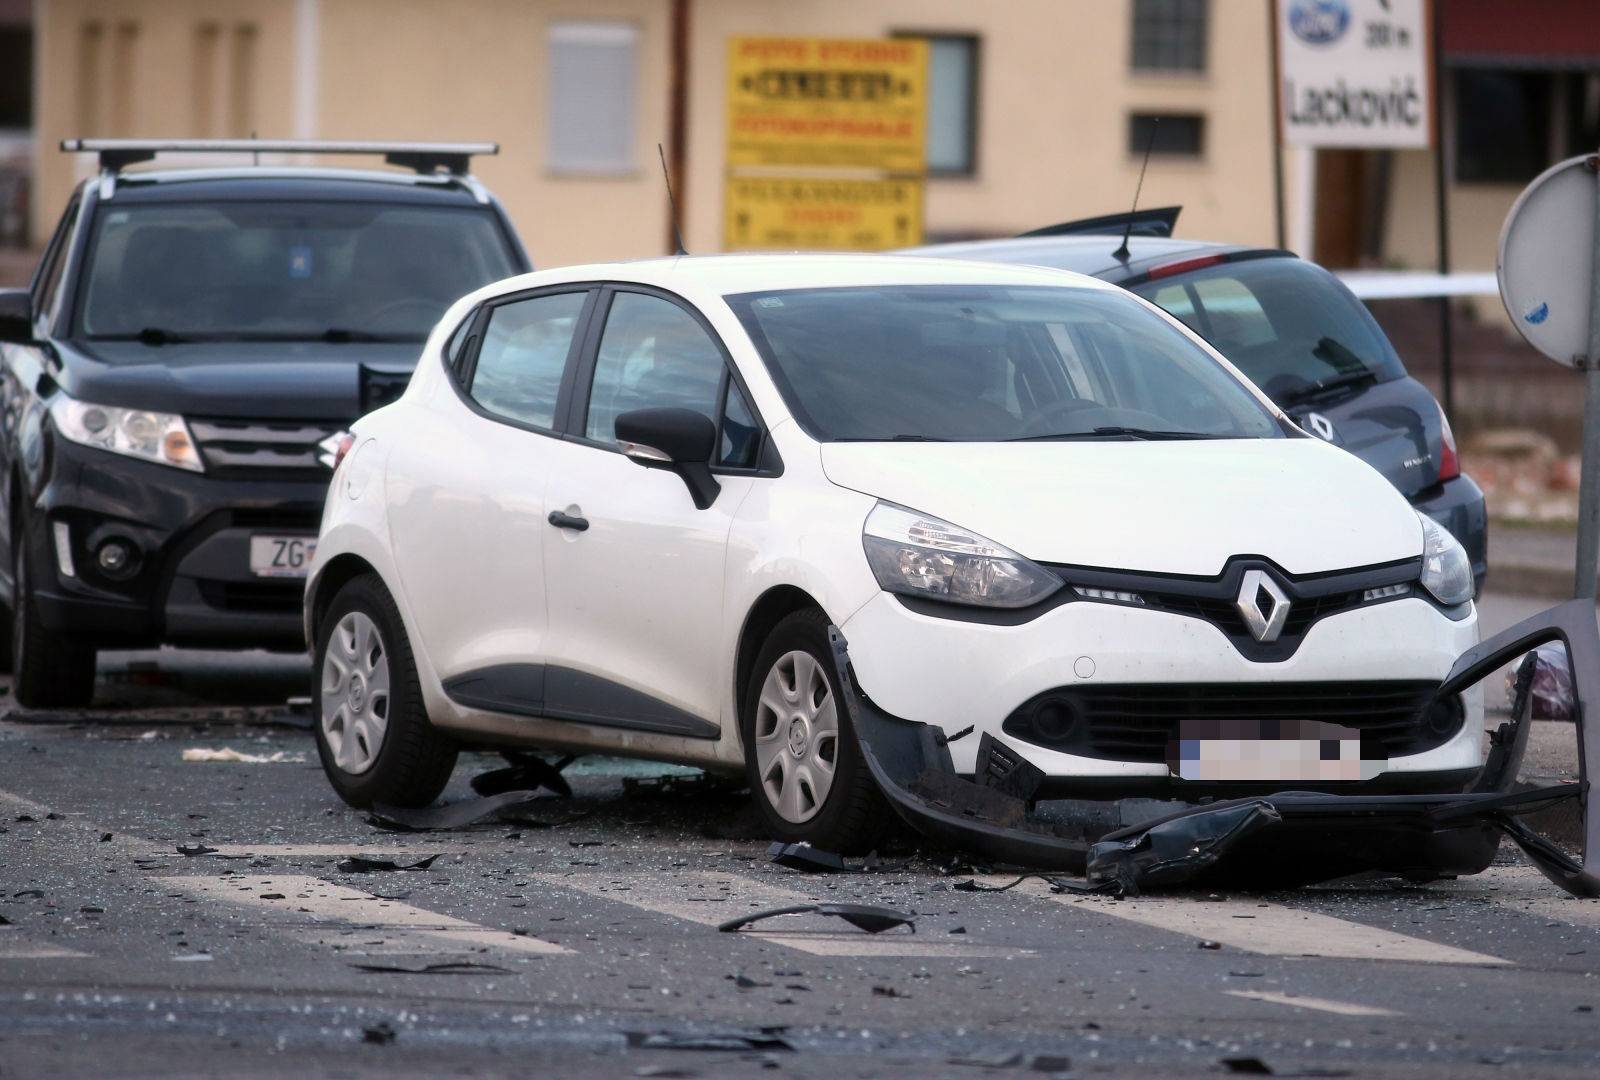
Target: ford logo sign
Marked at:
1319, 22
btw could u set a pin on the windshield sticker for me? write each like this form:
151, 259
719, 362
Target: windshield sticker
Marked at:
300, 261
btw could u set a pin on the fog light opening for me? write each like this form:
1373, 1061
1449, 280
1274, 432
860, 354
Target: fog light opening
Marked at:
1054, 720
1444, 717
117, 558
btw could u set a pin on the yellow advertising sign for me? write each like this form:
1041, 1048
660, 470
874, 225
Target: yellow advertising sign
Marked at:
829, 214
828, 102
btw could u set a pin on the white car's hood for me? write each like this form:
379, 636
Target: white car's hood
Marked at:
1160, 507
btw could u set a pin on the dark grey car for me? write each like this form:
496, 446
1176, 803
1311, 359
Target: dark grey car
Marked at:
1294, 329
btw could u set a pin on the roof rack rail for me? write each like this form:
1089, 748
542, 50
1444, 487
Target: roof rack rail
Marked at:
1158, 221
421, 157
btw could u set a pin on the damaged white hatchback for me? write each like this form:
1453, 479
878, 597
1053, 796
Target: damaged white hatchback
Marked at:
619, 508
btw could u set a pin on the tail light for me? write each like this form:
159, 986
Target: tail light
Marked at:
1449, 460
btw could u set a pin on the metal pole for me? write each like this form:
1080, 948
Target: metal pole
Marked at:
1277, 125
1447, 376
1589, 477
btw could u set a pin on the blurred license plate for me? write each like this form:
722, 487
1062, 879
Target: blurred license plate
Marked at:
281, 556
1277, 751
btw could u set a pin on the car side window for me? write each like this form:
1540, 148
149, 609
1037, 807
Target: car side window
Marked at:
652, 354
741, 434
50, 279
524, 352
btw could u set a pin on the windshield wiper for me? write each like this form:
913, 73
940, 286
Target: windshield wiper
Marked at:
149, 335
894, 438
1118, 431
341, 334
1328, 348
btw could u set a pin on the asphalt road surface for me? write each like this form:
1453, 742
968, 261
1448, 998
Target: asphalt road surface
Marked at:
586, 945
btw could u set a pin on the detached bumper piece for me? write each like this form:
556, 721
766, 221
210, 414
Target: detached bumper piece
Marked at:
1283, 839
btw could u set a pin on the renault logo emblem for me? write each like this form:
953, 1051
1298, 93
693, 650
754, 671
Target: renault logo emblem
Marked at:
1263, 604
1318, 425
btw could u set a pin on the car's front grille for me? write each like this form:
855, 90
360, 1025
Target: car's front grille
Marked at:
274, 597
1138, 722
263, 447
1225, 615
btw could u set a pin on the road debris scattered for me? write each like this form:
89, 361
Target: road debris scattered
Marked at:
228, 754
360, 864
872, 919
446, 967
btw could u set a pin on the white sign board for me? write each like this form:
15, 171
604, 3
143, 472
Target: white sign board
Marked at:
1546, 260
1354, 73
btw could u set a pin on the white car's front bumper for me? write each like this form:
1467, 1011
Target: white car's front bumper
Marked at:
954, 673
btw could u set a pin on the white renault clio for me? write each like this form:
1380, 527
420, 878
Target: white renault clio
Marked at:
619, 507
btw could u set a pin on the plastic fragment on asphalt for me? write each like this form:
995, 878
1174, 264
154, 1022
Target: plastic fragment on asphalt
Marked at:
228, 754
381, 1034
807, 859
454, 815
195, 849
872, 919
360, 864
449, 967
524, 772
1246, 1066
758, 1039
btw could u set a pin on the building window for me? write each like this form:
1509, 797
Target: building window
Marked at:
593, 82
952, 105
1169, 35
16, 78
1171, 134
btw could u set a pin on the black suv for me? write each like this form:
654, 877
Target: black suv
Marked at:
175, 383
1293, 329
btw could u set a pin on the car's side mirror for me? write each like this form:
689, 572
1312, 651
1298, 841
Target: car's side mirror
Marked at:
679, 440
16, 315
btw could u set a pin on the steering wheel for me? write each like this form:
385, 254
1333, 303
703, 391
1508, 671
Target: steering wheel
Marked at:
1042, 423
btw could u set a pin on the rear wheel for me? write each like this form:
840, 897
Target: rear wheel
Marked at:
805, 767
373, 734
48, 669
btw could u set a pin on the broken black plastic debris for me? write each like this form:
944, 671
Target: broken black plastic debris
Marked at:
190, 850
448, 967
764, 1038
449, 816
525, 772
381, 1034
360, 864
807, 859
874, 920
1246, 1066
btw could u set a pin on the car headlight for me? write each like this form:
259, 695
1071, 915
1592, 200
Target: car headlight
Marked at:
921, 555
153, 436
1446, 570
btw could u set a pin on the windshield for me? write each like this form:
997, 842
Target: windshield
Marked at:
312, 271
957, 362
1288, 324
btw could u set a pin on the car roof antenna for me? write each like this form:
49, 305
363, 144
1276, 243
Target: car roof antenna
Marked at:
1121, 254
672, 202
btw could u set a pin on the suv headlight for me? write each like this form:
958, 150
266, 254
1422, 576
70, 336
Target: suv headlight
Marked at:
153, 436
921, 555
1446, 570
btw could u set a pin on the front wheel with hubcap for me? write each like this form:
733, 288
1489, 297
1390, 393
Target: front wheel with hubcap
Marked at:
373, 734
805, 767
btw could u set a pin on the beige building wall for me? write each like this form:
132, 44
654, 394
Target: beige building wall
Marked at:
1055, 91
1054, 97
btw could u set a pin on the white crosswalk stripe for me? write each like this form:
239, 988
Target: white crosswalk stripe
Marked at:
1523, 889
1265, 928
310, 904
13, 946
1341, 1008
709, 898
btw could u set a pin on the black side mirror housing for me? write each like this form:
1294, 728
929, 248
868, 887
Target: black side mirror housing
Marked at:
16, 316
678, 440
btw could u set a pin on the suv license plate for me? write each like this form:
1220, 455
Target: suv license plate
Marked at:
281, 556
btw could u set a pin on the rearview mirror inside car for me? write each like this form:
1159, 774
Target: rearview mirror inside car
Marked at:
16, 315
678, 440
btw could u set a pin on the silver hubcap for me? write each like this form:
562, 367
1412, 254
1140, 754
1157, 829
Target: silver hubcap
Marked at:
355, 693
797, 737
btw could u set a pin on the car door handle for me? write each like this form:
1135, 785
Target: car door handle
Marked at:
568, 521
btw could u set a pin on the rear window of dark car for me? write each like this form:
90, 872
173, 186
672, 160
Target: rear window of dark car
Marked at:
1286, 323
291, 270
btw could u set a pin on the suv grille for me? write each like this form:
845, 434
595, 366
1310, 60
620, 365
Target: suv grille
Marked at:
263, 447
1136, 722
259, 597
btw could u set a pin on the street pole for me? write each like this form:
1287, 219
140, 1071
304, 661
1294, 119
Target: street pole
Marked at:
1441, 201
1277, 127
1589, 475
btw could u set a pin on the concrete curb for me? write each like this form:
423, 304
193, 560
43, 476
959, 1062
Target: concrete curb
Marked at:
1530, 580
